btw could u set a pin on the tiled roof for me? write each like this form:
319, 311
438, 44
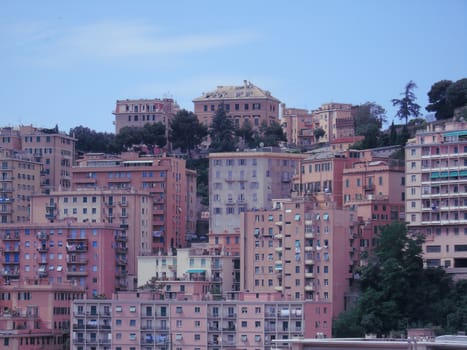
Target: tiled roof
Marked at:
245, 91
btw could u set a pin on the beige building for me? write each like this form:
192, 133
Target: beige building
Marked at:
436, 193
20, 178
298, 126
241, 103
49, 147
335, 119
241, 181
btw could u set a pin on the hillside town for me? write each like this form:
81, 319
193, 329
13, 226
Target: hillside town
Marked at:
121, 251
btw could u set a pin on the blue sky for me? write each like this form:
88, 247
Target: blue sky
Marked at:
67, 62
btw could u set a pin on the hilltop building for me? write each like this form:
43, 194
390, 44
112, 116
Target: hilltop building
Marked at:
242, 103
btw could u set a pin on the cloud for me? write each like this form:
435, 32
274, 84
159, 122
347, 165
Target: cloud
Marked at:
111, 39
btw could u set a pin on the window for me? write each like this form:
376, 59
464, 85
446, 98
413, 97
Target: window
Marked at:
132, 323
197, 309
197, 337
132, 308
244, 324
132, 336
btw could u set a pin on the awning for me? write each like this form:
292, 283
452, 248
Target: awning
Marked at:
463, 173
453, 173
443, 174
196, 271
435, 175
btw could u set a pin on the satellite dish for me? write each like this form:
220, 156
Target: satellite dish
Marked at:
261, 144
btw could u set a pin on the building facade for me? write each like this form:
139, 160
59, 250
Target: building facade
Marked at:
171, 185
92, 256
20, 179
142, 321
436, 194
137, 113
242, 103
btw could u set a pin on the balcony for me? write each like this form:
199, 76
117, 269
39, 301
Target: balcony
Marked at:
309, 249
309, 261
309, 275
11, 274
43, 249
72, 273
279, 288
78, 248
309, 235
42, 236
76, 260
309, 288
11, 237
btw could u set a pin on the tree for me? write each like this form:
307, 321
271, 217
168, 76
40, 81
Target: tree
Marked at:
91, 141
222, 132
152, 135
438, 101
128, 137
407, 105
271, 135
246, 134
456, 94
186, 132
366, 116
318, 133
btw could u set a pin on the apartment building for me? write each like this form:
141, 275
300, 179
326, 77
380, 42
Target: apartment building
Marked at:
301, 248
335, 119
20, 179
241, 181
142, 321
53, 149
128, 209
298, 126
137, 113
171, 185
36, 315
92, 256
436, 194
241, 103
321, 172
202, 269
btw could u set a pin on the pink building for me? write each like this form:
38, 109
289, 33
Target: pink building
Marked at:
137, 113
142, 320
166, 179
128, 209
300, 249
36, 315
92, 256
298, 126
242, 103
335, 119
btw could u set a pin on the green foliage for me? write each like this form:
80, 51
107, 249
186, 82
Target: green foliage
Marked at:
407, 105
367, 117
186, 132
246, 134
91, 141
151, 135
318, 133
222, 132
202, 170
397, 292
271, 134
437, 99
456, 94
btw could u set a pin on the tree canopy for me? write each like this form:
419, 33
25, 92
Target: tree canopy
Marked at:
92, 141
186, 132
271, 134
407, 105
438, 101
222, 132
151, 135
396, 292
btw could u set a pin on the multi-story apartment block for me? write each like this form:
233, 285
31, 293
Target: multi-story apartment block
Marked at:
241, 181
137, 113
36, 315
201, 269
436, 194
53, 149
171, 185
143, 321
92, 256
300, 249
335, 119
298, 126
129, 209
241, 103
321, 172
20, 178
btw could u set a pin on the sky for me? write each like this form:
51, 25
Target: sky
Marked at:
66, 63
